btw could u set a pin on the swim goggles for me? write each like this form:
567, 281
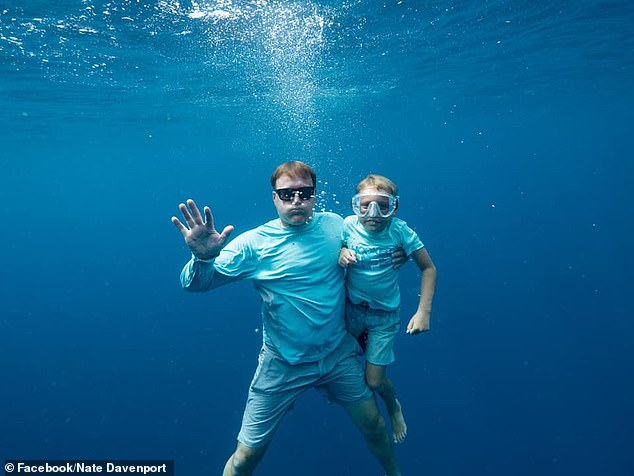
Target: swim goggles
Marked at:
374, 204
287, 194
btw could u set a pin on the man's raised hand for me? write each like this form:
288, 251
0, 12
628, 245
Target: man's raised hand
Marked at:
200, 235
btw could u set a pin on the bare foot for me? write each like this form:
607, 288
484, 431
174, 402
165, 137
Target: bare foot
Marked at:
399, 428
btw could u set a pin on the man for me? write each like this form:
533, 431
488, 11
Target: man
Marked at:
293, 263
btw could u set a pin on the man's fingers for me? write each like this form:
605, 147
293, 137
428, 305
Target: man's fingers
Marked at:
209, 218
399, 258
185, 212
226, 232
192, 215
198, 219
179, 225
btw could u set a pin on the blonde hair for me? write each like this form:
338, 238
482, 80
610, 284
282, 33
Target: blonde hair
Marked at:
380, 182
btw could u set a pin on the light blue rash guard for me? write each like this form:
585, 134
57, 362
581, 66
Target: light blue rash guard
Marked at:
373, 279
295, 270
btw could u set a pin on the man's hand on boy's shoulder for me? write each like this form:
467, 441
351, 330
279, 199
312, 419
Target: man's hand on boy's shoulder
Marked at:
399, 258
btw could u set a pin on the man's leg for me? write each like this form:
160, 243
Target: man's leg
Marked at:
376, 377
243, 461
274, 388
366, 416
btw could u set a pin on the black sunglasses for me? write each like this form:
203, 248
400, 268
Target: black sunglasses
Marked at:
287, 194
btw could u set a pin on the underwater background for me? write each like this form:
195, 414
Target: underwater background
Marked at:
508, 126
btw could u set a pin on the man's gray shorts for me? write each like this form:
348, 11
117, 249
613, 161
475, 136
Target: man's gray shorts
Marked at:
277, 384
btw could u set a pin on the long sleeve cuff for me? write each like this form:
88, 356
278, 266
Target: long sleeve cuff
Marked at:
198, 274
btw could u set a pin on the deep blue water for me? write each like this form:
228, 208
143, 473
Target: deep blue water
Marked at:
506, 125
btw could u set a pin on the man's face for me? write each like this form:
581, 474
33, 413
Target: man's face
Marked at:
294, 211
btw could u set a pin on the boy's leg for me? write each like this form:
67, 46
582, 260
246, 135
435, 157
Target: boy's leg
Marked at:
376, 377
367, 418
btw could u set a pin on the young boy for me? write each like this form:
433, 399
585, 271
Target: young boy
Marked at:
373, 297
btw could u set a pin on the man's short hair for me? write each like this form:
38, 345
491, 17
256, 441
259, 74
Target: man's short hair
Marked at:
380, 182
294, 169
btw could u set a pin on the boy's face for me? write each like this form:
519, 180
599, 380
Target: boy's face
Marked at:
374, 222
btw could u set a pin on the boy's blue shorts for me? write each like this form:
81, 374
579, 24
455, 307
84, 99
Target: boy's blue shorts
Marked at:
382, 327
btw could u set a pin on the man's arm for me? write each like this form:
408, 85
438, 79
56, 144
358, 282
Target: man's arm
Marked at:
200, 275
420, 320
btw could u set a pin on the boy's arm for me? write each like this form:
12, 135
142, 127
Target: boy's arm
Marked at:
346, 257
420, 320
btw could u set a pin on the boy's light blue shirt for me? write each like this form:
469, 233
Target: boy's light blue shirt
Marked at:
295, 271
373, 278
